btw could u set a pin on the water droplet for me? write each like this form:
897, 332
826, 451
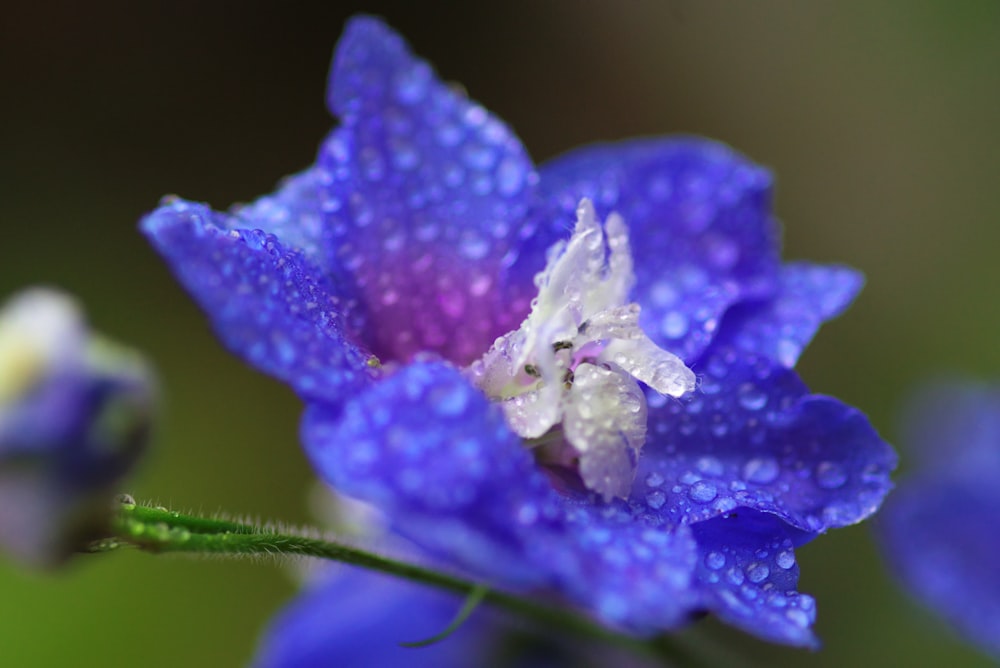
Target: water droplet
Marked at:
509, 177
480, 285
663, 294
654, 479
656, 499
761, 470
404, 154
674, 324
715, 560
785, 559
474, 247
757, 572
709, 465
702, 492
830, 475
449, 400
527, 514
735, 576
723, 252
797, 617
478, 156
412, 84
751, 397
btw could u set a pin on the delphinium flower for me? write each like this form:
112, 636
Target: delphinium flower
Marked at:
572, 381
941, 529
75, 412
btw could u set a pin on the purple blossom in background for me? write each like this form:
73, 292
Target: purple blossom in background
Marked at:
941, 530
75, 412
393, 285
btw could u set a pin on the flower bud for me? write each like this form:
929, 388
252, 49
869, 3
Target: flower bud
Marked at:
75, 414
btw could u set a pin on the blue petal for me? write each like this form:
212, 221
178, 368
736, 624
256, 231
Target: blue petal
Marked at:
293, 213
748, 577
751, 436
699, 217
426, 196
955, 425
358, 618
435, 455
781, 327
941, 534
271, 306
941, 529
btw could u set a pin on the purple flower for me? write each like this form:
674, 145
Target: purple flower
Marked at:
75, 412
941, 530
478, 342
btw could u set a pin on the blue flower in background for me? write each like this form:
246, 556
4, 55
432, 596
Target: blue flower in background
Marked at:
354, 617
941, 530
573, 379
75, 412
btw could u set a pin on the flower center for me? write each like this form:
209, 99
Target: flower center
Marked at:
577, 357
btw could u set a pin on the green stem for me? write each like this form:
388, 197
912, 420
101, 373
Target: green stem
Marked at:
159, 530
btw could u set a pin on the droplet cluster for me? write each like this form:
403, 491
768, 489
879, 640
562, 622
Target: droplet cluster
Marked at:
751, 578
752, 437
270, 305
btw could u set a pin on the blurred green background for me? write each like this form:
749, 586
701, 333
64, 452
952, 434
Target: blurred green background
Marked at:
879, 119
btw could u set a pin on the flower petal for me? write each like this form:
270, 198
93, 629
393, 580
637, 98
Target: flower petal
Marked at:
427, 192
358, 618
941, 530
751, 436
783, 326
699, 218
748, 577
955, 425
435, 455
941, 534
270, 306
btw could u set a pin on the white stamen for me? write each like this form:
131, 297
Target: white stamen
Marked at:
578, 354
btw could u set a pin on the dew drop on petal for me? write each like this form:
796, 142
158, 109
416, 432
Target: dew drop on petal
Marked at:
830, 475
785, 559
654, 479
656, 499
797, 617
751, 398
674, 325
757, 572
761, 470
702, 492
715, 560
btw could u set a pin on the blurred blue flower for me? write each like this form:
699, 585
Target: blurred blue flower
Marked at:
941, 529
354, 617
75, 412
440, 304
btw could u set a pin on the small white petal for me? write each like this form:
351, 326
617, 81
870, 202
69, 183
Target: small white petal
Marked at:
531, 414
643, 360
605, 421
620, 322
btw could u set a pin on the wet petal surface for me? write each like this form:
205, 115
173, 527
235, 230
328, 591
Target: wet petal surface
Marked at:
269, 305
427, 193
752, 436
429, 450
